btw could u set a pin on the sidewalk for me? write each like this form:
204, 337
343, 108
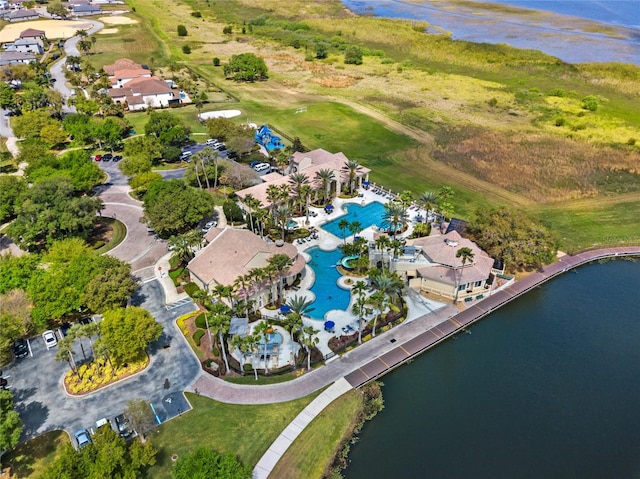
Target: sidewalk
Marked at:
161, 272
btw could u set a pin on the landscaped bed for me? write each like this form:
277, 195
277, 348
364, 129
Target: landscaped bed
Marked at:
99, 374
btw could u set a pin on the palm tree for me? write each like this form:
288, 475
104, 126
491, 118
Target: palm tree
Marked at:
300, 307
383, 243
352, 168
428, 200
220, 322
309, 340
325, 177
359, 306
281, 263
395, 216
245, 344
251, 203
282, 217
297, 180
355, 227
261, 330
343, 224
65, 353
390, 284
305, 192
273, 197
220, 291
241, 284
380, 301
466, 256
293, 324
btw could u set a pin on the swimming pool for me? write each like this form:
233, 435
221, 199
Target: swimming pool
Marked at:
328, 294
273, 339
366, 215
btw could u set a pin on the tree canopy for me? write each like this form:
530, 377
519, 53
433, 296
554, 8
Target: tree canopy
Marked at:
11, 191
167, 128
514, 237
75, 165
205, 463
172, 207
108, 456
126, 333
10, 422
51, 211
246, 67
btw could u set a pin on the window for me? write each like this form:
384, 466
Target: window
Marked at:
477, 284
462, 287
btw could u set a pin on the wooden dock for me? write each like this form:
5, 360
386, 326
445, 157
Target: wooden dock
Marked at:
406, 351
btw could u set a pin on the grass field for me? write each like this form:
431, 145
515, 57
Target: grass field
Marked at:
313, 449
30, 458
422, 111
246, 431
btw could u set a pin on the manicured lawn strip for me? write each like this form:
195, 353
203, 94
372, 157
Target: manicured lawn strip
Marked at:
246, 431
250, 379
188, 114
119, 233
314, 447
30, 458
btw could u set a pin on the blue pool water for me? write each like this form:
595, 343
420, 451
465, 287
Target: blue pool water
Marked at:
328, 294
367, 215
272, 340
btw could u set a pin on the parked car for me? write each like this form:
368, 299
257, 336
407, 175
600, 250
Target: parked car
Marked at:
83, 438
186, 155
212, 142
122, 426
254, 163
102, 423
107, 157
117, 158
221, 147
50, 339
97, 157
64, 328
20, 348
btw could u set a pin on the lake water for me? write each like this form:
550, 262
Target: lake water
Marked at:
546, 387
559, 36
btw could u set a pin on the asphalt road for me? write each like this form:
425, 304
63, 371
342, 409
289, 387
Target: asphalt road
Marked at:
43, 405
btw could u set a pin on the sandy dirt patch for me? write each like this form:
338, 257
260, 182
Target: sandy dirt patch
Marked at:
106, 31
53, 28
117, 20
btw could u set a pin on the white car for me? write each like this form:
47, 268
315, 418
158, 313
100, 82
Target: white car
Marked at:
212, 142
50, 340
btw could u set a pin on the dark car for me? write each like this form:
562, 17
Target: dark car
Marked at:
122, 426
20, 348
85, 320
107, 157
221, 147
64, 329
117, 158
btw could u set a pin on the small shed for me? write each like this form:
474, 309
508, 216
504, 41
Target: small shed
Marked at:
239, 327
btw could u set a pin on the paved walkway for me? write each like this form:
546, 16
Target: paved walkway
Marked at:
270, 458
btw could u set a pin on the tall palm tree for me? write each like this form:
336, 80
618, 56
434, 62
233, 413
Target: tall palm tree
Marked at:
220, 322
325, 177
395, 216
380, 301
65, 353
355, 227
305, 193
282, 218
240, 284
343, 224
246, 344
466, 256
352, 168
300, 307
220, 291
383, 243
309, 340
297, 180
273, 197
282, 263
359, 306
252, 203
390, 284
428, 200
261, 330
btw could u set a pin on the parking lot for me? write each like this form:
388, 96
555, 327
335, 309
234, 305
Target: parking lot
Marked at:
36, 380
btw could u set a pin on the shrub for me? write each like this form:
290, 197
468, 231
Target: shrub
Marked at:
191, 289
560, 121
247, 367
201, 321
186, 49
216, 62
197, 336
182, 30
559, 92
590, 103
196, 14
631, 141
228, 30
353, 55
232, 211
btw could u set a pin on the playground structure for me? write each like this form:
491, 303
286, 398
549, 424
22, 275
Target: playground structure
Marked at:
266, 138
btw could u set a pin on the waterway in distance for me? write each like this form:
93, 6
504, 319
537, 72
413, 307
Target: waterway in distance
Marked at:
546, 386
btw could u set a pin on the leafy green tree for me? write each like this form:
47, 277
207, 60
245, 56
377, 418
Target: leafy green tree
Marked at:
321, 50
205, 463
309, 340
246, 67
80, 127
109, 133
186, 49
11, 190
511, 235
10, 422
395, 216
167, 128
182, 31
15, 320
30, 123
353, 55
281, 263
74, 165
16, 271
111, 288
172, 207
220, 128
8, 97
34, 97
53, 134
141, 182
147, 146
135, 165
127, 332
56, 8
50, 211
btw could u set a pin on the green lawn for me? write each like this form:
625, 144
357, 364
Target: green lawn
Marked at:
247, 431
30, 458
313, 449
119, 233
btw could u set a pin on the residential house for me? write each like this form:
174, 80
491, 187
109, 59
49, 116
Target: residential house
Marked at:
33, 34
430, 265
145, 92
84, 9
26, 45
9, 58
231, 253
22, 16
309, 163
